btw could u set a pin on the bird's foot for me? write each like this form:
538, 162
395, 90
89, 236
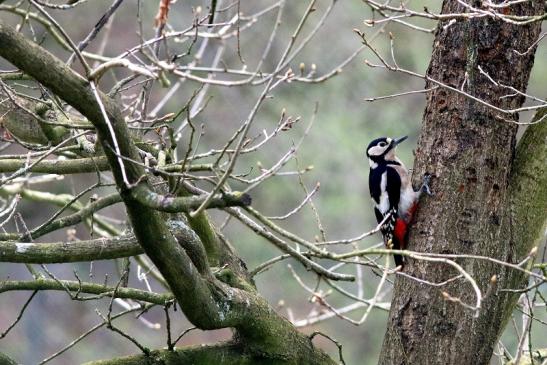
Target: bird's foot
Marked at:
389, 244
425, 184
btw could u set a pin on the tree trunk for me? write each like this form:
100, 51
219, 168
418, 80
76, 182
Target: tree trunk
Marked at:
469, 148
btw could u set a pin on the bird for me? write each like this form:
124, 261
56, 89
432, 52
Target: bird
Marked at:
395, 200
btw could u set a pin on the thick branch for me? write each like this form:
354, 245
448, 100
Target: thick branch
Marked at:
61, 167
59, 252
86, 288
36, 122
78, 166
529, 186
186, 204
222, 354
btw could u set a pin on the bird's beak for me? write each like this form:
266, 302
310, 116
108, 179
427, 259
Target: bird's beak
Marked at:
398, 140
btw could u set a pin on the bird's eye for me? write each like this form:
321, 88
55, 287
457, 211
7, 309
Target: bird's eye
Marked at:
382, 144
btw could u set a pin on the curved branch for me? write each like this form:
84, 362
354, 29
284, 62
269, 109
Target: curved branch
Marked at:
285, 247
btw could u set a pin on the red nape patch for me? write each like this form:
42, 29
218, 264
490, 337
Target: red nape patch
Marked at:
400, 232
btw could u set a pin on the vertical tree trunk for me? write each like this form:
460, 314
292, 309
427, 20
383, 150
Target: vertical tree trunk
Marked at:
469, 149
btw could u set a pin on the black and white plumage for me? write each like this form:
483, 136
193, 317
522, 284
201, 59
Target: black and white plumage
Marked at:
391, 192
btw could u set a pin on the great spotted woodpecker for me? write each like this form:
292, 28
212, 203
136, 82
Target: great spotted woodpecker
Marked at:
392, 193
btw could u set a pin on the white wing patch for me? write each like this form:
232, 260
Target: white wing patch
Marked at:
383, 206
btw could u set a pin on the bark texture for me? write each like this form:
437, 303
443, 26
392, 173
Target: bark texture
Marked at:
469, 148
227, 353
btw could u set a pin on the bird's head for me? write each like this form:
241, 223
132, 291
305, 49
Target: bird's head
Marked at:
382, 149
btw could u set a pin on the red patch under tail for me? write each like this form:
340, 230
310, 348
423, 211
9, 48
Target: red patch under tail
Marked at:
400, 232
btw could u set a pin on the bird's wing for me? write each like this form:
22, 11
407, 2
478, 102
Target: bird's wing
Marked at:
385, 190
374, 181
393, 188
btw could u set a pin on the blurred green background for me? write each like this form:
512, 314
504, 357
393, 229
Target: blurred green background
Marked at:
335, 147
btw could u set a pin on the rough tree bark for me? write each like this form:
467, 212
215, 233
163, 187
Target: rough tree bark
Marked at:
485, 203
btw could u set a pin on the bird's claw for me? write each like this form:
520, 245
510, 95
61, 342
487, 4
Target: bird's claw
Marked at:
425, 185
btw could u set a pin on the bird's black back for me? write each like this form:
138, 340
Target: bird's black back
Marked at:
393, 189
393, 184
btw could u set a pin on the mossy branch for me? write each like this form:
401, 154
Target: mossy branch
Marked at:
225, 354
60, 167
529, 185
86, 288
78, 166
62, 252
5, 360
528, 189
186, 204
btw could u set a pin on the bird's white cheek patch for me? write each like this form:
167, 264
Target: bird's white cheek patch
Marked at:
376, 150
